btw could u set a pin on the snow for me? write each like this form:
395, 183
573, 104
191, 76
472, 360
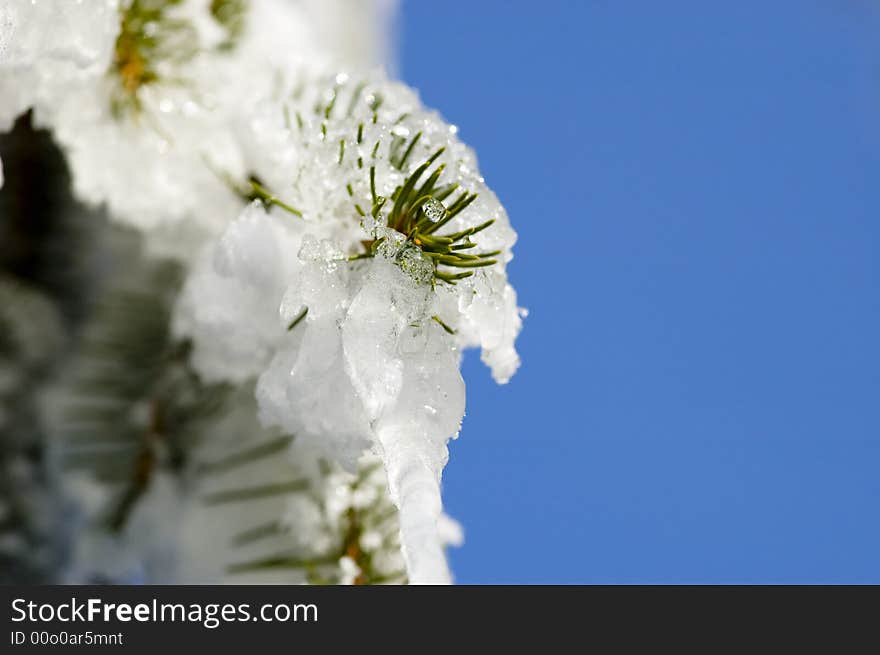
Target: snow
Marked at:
347, 353
165, 168
332, 320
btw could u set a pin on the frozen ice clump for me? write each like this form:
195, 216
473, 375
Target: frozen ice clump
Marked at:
363, 351
491, 319
305, 389
364, 368
434, 210
412, 432
332, 144
387, 303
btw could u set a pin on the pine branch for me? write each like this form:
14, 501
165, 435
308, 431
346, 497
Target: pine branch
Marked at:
133, 405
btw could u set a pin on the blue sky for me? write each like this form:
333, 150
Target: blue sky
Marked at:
695, 186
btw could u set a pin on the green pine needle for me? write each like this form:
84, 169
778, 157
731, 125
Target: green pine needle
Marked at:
296, 321
443, 325
246, 456
252, 493
418, 213
259, 192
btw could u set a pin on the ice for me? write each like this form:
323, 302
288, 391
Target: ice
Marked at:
333, 320
305, 389
331, 342
295, 145
385, 305
365, 368
434, 210
416, 265
363, 363
412, 434
415, 399
493, 320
